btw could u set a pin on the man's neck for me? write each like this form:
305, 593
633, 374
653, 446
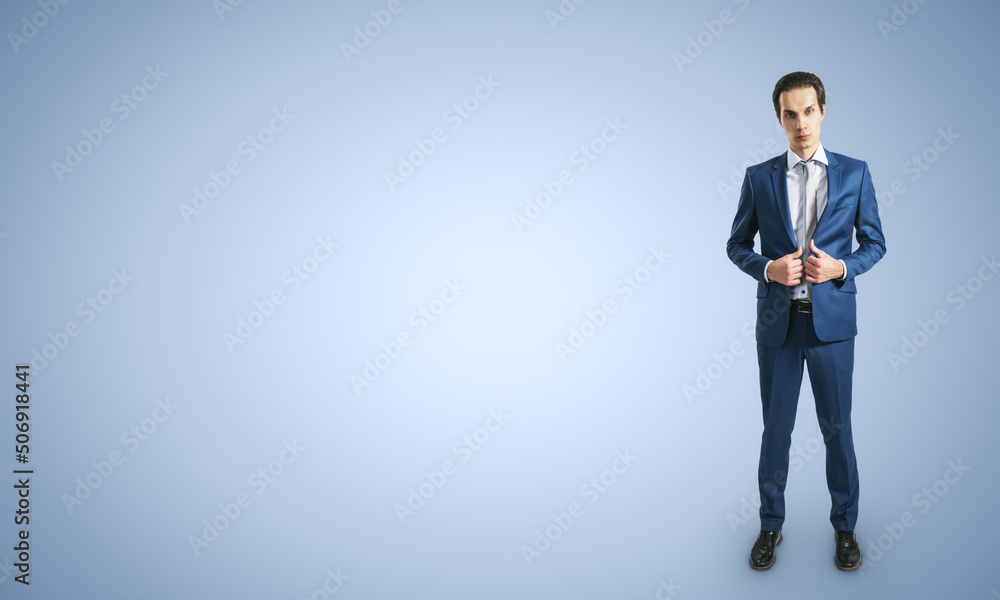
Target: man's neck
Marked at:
811, 154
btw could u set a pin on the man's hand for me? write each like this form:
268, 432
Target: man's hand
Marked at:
822, 267
786, 270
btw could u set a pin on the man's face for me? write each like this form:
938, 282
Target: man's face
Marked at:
801, 114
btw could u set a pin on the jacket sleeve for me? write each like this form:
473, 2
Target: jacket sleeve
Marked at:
868, 230
745, 227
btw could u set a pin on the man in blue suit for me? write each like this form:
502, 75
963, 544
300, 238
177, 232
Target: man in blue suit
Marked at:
805, 204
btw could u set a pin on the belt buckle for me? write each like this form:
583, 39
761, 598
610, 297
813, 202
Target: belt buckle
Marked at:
803, 306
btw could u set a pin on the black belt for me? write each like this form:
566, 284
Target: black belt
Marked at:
802, 306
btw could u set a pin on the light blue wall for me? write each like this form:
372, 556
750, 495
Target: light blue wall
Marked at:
604, 323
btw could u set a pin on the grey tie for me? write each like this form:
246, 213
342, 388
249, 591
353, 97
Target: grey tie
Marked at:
806, 223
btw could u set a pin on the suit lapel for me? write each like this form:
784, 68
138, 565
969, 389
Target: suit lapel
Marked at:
833, 186
779, 184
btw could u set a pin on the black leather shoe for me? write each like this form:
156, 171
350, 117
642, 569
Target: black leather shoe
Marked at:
848, 553
762, 553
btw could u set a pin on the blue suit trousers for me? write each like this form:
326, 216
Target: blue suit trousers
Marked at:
831, 367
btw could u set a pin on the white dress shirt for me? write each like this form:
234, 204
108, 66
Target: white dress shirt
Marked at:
796, 180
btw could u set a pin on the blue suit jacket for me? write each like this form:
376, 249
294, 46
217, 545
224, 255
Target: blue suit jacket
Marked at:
764, 208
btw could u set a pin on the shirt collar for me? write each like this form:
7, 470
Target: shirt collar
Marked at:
793, 158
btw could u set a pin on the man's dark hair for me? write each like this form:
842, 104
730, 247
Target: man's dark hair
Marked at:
794, 81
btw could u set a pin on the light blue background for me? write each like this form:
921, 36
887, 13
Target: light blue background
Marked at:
671, 515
